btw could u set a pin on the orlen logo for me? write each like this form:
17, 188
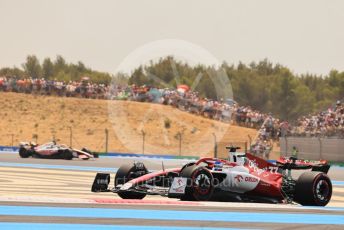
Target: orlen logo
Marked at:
251, 179
238, 178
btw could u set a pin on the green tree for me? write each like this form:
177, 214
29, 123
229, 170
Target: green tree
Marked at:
285, 95
9, 72
305, 102
47, 68
32, 67
81, 67
59, 65
262, 85
138, 77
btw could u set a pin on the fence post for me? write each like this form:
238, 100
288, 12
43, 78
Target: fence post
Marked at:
215, 145
70, 137
35, 136
53, 132
180, 143
250, 139
143, 141
106, 140
286, 146
320, 148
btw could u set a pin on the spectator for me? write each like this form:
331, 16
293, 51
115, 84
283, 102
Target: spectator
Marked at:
187, 100
328, 123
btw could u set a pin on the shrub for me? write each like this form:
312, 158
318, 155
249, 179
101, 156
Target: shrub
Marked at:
167, 123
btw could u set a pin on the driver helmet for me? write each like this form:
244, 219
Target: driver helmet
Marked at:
218, 165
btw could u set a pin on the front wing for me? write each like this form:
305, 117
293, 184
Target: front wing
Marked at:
102, 180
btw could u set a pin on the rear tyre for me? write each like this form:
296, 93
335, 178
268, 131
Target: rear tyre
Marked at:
313, 189
126, 173
200, 186
24, 153
67, 154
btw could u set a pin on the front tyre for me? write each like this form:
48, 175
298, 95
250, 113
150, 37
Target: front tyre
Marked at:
126, 173
24, 153
313, 189
200, 185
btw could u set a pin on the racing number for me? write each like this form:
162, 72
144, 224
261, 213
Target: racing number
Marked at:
273, 169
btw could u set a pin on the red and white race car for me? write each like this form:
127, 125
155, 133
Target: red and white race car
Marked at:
52, 150
243, 177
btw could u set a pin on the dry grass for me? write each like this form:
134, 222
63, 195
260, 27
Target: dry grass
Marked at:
28, 117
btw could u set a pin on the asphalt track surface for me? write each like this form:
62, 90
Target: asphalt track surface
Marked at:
55, 194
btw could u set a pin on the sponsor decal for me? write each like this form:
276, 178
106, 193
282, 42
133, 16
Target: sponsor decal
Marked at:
139, 165
126, 186
8, 149
226, 167
262, 183
180, 182
251, 179
270, 169
102, 181
178, 185
238, 178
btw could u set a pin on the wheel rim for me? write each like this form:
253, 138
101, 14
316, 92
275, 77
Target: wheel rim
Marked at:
322, 190
203, 184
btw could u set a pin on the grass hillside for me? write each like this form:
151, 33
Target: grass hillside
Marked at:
29, 117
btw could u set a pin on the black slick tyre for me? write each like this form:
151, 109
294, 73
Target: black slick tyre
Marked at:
200, 186
66, 154
313, 189
24, 153
126, 173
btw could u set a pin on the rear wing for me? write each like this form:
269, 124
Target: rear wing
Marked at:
294, 163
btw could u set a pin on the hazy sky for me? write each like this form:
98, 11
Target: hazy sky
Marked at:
304, 35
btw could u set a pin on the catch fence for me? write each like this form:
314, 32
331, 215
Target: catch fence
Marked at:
313, 148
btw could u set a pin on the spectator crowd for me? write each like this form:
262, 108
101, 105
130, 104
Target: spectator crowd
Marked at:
83, 88
326, 123
225, 110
